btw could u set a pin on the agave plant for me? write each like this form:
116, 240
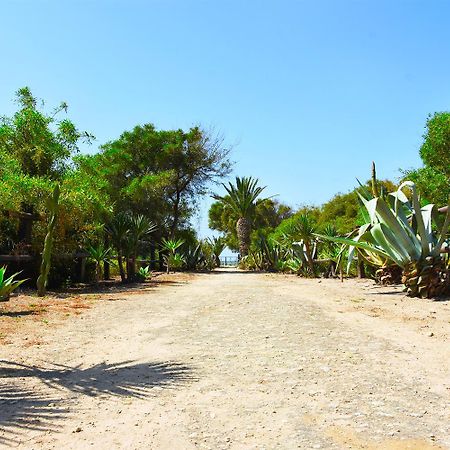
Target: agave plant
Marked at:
402, 232
144, 273
8, 285
194, 257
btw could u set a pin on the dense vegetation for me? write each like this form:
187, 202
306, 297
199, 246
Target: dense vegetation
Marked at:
118, 204
69, 217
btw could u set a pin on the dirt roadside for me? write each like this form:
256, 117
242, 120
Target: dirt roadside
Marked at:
231, 361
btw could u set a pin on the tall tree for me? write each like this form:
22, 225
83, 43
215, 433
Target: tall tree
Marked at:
160, 173
268, 215
242, 198
39, 141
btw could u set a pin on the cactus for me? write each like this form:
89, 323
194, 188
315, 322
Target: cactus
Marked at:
48, 243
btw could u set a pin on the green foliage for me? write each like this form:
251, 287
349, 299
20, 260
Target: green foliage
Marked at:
217, 246
8, 285
402, 232
194, 257
126, 231
159, 172
268, 215
242, 197
172, 259
100, 255
143, 274
433, 180
40, 143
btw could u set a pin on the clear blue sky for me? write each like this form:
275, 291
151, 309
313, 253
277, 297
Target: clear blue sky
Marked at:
309, 91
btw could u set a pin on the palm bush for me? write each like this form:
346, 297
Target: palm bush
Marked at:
242, 198
217, 245
408, 235
8, 285
99, 255
126, 231
172, 258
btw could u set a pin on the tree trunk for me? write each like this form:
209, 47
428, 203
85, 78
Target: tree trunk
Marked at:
106, 270
121, 269
243, 229
176, 215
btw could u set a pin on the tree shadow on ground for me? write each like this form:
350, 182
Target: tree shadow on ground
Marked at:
27, 410
114, 286
17, 313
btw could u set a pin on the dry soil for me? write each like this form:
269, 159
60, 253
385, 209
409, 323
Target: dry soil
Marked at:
231, 360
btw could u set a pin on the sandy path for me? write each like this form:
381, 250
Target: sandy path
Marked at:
236, 361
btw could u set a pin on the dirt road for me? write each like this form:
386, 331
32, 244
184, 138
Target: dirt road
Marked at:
235, 361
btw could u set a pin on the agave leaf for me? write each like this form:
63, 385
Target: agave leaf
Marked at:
427, 215
362, 245
407, 240
387, 240
351, 250
424, 238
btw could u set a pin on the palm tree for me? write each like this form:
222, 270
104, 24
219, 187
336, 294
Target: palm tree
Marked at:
126, 231
118, 229
242, 198
140, 228
99, 255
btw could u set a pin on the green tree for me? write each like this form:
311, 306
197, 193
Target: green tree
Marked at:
36, 148
242, 199
159, 173
433, 179
40, 142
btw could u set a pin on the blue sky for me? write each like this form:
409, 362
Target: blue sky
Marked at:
308, 92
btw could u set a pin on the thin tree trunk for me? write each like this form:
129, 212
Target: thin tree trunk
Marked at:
121, 269
176, 215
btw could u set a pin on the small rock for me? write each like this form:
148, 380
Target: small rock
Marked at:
77, 430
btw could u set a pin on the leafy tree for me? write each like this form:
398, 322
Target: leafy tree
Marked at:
40, 142
35, 153
433, 180
159, 173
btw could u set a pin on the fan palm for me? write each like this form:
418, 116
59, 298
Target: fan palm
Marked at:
242, 198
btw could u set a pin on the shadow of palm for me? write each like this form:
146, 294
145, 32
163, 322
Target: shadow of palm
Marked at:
125, 378
24, 410
27, 410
